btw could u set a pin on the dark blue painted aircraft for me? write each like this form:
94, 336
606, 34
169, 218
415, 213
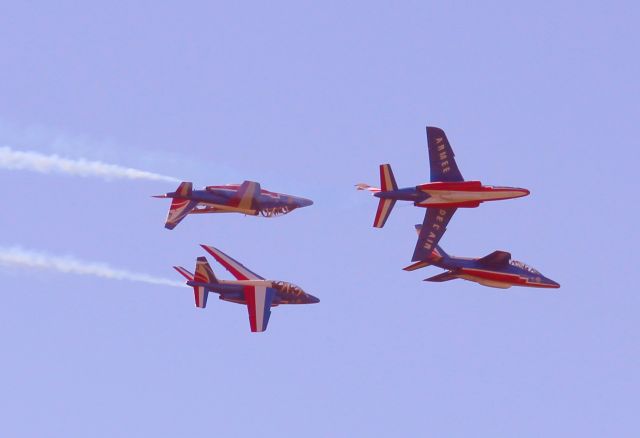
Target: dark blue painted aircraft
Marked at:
497, 269
446, 192
246, 198
258, 294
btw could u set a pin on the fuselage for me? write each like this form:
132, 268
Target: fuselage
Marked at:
233, 291
462, 194
515, 273
220, 199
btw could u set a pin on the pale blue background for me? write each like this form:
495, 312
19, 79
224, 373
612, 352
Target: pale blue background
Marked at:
308, 98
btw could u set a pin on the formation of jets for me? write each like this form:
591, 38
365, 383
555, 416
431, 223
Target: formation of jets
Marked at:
442, 196
447, 192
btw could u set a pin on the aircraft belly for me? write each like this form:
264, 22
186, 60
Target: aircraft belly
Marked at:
486, 282
491, 278
221, 208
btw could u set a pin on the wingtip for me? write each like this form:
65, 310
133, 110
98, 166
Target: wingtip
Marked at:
211, 249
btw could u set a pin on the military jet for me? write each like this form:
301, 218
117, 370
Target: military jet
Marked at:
497, 269
258, 294
446, 192
246, 198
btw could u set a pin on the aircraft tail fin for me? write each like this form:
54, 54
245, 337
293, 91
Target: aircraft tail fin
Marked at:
438, 252
181, 205
204, 273
186, 274
184, 189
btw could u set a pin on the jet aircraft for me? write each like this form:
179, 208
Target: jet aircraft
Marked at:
497, 269
258, 294
446, 192
247, 198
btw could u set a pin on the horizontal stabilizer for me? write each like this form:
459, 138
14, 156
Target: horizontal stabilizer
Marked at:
200, 292
186, 274
495, 259
417, 265
384, 210
445, 276
387, 180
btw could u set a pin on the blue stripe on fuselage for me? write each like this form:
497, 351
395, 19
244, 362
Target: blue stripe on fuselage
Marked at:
406, 194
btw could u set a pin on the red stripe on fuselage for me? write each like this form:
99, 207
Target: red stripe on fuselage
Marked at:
494, 276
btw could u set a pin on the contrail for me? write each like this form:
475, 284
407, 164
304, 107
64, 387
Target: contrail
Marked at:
42, 163
16, 256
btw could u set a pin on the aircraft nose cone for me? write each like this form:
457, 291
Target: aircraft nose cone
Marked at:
313, 299
303, 202
550, 283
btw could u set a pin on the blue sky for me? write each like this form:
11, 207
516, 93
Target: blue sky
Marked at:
308, 98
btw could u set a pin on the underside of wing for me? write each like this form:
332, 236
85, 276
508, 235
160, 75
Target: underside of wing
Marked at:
259, 299
441, 157
495, 259
433, 227
236, 268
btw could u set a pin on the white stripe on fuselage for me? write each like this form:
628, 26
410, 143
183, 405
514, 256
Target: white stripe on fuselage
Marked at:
227, 208
455, 196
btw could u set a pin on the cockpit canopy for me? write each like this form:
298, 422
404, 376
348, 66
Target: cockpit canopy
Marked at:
519, 264
288, 288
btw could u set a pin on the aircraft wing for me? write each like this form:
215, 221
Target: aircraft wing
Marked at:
495, 259
433, 227
259, 299
441, 157
236, 268
246, 195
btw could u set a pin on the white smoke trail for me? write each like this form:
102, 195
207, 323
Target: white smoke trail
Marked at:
42, 163
16, 256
